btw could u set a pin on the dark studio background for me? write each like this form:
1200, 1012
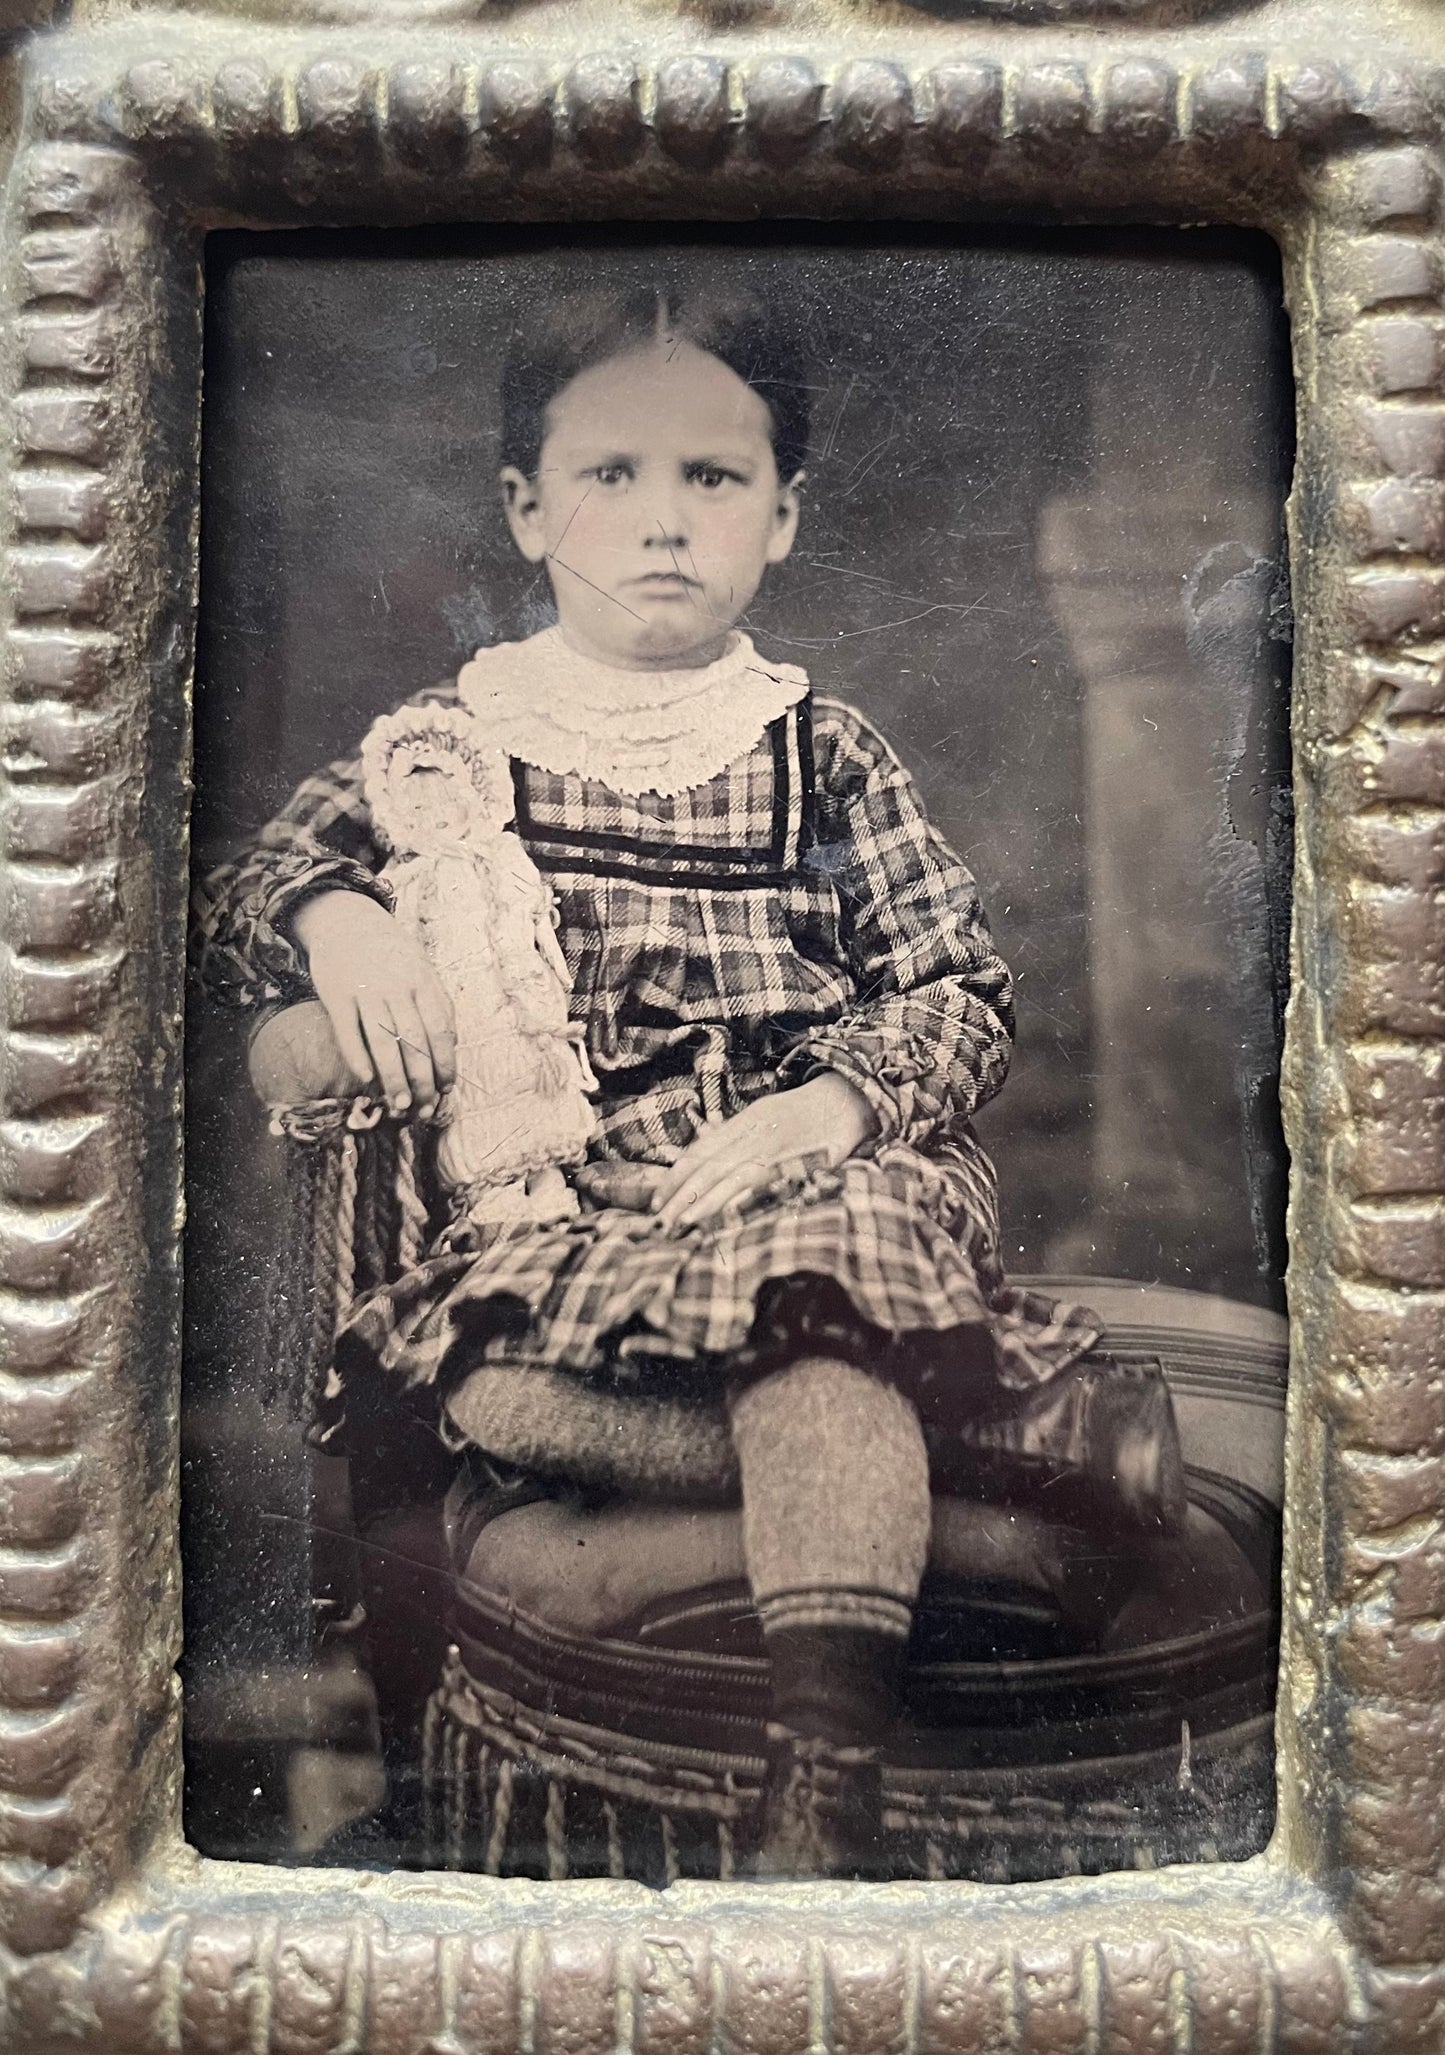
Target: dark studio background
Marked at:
1041, 548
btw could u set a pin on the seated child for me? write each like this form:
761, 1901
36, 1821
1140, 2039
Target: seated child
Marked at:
785, 1279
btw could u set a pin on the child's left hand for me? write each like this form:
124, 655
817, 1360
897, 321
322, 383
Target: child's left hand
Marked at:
822, 1122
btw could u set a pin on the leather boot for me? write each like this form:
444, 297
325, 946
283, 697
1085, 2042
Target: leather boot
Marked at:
1098, 1443
820, 1813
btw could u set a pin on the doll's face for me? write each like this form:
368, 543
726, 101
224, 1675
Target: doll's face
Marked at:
431, 784
656, 507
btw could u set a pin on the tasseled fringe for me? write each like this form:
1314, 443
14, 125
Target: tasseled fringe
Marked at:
726, 1853
286, 1353
513, 1793
358, 1219
431, 1778
555, 1829
454, 1771
497, 1803
303, 1302
412, 1235
501, 1819
616, 1861
346, 1182
379, 1214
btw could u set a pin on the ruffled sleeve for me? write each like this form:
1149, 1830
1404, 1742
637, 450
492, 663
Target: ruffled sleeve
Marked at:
931, 1034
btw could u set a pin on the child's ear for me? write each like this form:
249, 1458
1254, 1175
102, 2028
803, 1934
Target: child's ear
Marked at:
786, 508
524, 512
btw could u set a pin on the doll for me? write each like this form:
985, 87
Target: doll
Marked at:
518, 1111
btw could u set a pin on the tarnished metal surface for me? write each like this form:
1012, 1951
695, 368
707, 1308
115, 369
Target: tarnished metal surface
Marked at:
1319, 123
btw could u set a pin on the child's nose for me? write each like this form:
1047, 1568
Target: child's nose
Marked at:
665, 523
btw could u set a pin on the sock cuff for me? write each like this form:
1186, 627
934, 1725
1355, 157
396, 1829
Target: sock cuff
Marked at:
826, 1606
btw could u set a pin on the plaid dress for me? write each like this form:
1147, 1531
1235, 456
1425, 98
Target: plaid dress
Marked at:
795, 913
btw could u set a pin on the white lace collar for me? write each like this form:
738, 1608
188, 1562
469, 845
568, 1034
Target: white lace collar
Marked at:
660, 732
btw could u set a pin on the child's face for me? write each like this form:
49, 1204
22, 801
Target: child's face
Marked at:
656, 507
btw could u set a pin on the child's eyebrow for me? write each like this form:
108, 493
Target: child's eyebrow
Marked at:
703, 453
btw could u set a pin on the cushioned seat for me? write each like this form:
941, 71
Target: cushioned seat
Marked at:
635, 1569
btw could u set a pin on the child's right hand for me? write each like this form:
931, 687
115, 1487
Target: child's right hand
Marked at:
391, 1017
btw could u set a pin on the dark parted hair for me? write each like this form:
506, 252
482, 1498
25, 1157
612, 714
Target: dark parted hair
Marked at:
568, 336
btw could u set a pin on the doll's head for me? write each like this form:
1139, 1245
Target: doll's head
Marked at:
652, 452
433, 783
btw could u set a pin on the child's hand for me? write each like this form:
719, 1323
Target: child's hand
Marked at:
824, 1121
630, 1186
391, 1018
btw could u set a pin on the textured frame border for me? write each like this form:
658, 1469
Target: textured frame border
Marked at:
113, 1935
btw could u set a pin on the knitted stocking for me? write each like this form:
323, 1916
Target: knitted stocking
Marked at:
835, 1536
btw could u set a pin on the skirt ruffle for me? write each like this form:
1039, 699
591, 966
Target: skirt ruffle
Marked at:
615, 1298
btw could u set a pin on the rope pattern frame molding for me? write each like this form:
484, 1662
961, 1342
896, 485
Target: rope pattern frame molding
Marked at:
1313, 119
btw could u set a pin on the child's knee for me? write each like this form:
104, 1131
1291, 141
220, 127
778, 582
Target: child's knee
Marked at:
832, 1409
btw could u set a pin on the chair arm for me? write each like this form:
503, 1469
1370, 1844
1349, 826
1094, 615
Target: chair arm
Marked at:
294, 1057
360, 1199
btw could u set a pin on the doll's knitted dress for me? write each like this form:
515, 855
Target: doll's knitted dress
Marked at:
749, 892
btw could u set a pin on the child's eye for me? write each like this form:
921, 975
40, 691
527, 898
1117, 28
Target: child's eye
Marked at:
711, 476
617, 472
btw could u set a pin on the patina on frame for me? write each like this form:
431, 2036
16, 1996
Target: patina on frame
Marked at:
1315, 119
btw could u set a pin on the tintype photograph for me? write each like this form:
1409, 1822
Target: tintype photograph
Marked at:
735, 1192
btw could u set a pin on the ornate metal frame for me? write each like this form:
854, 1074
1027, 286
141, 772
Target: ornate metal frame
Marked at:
1314, 119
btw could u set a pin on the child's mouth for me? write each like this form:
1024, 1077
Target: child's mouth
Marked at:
665, 585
